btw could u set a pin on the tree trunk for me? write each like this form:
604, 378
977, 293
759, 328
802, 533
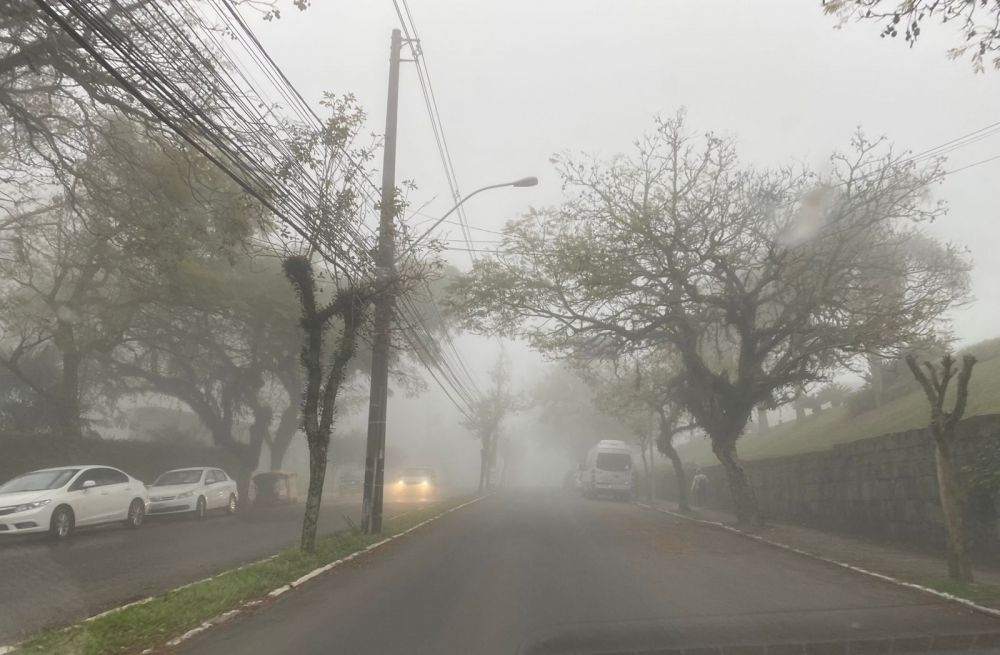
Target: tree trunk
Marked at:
762, 424
800, 408
288, 426
953, 508
878, 383
744, 498
243, 478
317, 475
679, 475
482, 468
69, 396
652, 471
645, 472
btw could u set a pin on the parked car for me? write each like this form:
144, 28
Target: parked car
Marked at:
59, 500
198, 490
413, 484
275, 488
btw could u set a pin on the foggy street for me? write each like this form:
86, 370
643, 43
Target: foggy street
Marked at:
50, 584
549, 572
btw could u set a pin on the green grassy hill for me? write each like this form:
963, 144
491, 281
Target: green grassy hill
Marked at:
833, 426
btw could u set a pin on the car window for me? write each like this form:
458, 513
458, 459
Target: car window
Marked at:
39, 481
212, 477
89, 474
185, 476
221, 476
111, 476
614, 461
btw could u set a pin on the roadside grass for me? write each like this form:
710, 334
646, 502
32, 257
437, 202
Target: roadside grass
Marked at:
982, 594
173, 613
834, 426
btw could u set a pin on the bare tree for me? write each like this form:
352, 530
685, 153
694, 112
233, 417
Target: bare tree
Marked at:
487, 416
977, 22
934, 382
761, 281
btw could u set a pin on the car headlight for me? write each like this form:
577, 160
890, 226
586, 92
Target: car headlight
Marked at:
425, 483
35, 505
400, 482
186, 494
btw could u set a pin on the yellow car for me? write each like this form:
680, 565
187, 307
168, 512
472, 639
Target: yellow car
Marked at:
414, 484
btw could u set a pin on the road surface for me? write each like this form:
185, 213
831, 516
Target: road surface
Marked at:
547, 572
44, 584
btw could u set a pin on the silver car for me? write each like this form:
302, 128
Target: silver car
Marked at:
195, 490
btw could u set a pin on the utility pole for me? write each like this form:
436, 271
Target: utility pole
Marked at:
371, 506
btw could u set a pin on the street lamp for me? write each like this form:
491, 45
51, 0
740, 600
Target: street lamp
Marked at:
371, 502
523, 182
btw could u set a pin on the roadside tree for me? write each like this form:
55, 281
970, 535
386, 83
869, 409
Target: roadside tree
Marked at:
935, 381
761, 281
487, 415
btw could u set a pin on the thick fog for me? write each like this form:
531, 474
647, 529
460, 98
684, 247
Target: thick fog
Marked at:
519, 81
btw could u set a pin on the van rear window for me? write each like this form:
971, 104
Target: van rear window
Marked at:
614, 461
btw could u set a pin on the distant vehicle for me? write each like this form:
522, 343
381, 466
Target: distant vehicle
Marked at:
59, 500
275, 488
608, 470
414, 484
198, 490
350, 484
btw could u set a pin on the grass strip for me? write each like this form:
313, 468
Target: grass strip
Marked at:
987, 595
173, 613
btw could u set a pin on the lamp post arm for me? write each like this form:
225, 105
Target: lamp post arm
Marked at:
461, 202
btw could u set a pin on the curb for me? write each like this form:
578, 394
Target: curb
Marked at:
850, 567
274, 593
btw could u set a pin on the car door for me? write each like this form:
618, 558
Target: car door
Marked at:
87, 502
116, 494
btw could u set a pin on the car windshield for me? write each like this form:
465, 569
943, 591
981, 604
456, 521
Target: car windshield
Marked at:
38, 481
178, 477
423, 474
614, 461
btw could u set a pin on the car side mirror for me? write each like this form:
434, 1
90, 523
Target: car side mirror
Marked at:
88, 484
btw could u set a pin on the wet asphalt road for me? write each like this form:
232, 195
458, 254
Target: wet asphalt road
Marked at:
547, 572
44, 584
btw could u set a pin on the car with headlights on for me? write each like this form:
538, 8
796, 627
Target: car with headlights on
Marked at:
414, 484
193, 490
59, 500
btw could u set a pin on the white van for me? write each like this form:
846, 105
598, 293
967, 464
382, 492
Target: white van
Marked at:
608, 470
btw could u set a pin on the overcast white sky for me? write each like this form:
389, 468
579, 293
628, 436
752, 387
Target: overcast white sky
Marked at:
518, 80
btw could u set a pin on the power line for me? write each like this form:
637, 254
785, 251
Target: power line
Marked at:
218, 120
974, 164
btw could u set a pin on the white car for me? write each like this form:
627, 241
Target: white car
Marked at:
58, 500
197, 490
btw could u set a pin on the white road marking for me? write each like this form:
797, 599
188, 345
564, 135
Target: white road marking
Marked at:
274, 593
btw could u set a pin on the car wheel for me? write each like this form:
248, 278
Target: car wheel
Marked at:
231, 507
62, 523
136, 514
200, 508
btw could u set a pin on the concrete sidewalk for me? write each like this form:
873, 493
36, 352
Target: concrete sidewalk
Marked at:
894, 560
